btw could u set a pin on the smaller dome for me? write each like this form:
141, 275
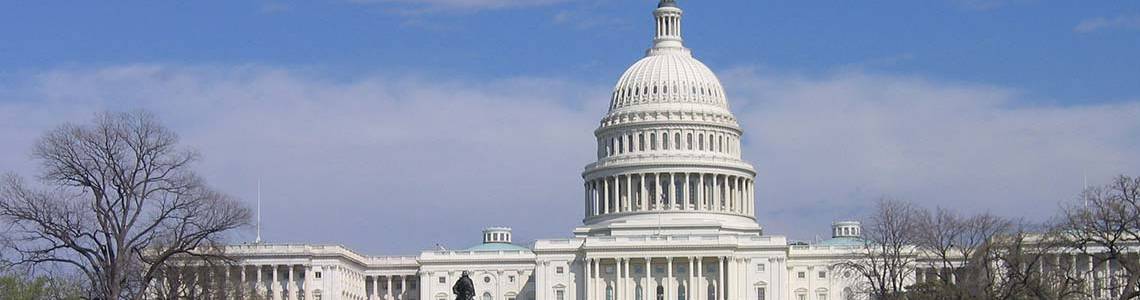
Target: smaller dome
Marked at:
667, 3
497, 239
841, 242
491, 247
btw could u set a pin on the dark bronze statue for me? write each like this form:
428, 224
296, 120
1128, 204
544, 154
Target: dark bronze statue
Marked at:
464, 289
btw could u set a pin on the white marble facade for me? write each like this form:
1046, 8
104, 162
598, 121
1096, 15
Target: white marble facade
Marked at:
668, 209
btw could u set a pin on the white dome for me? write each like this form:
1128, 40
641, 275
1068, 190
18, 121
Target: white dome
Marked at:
668, 77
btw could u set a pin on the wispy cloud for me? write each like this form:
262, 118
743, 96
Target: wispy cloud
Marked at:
580, 19
985, 5
1103, 23
439, 158
426, 6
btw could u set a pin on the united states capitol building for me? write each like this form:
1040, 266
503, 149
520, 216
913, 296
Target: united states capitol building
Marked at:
669, 214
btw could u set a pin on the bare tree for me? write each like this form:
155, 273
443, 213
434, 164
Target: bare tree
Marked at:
1106, 228
120, 201
957, 247
887, 258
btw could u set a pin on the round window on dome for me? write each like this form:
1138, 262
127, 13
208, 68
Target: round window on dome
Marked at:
487, 279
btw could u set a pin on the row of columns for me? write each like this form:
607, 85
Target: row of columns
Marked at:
669, 191
623, 284
669, 25
1100, 282
695, 140
281, 283
390, 284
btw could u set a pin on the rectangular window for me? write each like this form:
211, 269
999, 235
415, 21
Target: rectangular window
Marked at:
412, 284
761, 294
760, 267
822, 296
801, 274
822, 274
317, 274
559, 270
442, 279
512, 279
560, 295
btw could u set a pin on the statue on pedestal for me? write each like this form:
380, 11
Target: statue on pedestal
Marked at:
464, 289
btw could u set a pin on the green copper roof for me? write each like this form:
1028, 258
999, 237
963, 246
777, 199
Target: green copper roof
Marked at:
841, 241
498, 247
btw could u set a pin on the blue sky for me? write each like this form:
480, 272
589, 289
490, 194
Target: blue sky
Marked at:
1034, 45
405, 118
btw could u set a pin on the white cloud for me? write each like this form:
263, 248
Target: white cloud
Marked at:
827, 145
1103, 23
396, 162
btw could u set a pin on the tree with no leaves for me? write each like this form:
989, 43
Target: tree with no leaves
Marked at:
887, 257
118, 200
1106, 227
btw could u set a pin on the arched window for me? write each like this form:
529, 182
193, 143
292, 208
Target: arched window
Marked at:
621, 145
689, 142
609, 293
711, 291
660, 292
652, 141
665, 140
641, 142
681, 289
637, 294
700, 142
487, 296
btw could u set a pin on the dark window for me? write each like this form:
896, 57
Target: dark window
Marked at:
317, 274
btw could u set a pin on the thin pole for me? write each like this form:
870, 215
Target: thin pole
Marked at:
258, 239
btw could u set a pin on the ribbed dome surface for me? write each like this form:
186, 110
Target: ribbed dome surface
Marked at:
671, 77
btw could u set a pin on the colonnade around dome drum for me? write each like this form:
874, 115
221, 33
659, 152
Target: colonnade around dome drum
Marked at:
669, 191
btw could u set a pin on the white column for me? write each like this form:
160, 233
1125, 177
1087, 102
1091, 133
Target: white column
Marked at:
307, 287
586, 277
644, 194
658, 192
685, 189
597, 199
606, 195
629, 193
597, 278
714, 196
260, 286
290, 289
701, 286
692, 277
701, 199
669, 279
673, 191
275, 285
649, 290
721, 289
